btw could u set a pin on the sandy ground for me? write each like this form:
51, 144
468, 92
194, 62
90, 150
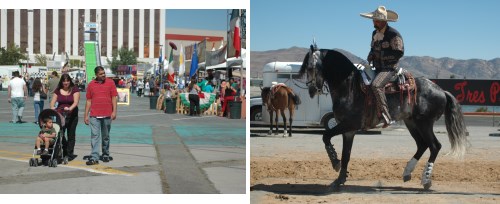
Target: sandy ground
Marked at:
297, 170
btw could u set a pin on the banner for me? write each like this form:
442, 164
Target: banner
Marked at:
216, 57
200, 50
472, 92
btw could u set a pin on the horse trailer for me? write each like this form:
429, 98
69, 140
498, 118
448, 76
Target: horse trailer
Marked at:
312, 112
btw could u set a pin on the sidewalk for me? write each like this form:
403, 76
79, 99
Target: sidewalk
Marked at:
153, 153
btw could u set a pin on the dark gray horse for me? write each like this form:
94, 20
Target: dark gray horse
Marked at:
343, 80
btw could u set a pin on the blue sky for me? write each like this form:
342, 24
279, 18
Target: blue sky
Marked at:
203, 19
458, 29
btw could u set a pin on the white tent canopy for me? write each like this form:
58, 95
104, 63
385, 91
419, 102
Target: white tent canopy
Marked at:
231, 62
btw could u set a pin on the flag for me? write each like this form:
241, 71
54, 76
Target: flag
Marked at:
160, 62
216, 57
202, 48
182, 65
171, 71
235, 30
171, 62
194, 63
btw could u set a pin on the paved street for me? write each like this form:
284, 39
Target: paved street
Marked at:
154, 153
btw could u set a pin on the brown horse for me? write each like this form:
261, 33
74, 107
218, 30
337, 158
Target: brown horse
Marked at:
278, 99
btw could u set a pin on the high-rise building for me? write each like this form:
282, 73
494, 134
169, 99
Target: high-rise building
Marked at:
61, 31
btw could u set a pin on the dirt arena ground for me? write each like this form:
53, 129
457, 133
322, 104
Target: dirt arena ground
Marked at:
297, 170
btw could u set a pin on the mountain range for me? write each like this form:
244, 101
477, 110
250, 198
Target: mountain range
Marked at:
442, 68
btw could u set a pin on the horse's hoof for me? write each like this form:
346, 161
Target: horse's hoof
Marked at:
336, 186
406, 178
428, 185
336, 165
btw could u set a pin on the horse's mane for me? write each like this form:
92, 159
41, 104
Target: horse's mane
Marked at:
336, 67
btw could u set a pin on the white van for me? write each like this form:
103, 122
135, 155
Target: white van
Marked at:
316, 111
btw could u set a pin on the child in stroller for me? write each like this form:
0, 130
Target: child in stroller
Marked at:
46, 136
49, 121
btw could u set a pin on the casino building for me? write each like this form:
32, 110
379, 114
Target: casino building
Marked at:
49, 31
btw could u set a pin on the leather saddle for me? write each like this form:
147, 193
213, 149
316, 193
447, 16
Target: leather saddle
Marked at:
402, 81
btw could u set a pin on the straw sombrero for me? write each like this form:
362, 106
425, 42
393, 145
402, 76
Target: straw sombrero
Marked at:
381, 14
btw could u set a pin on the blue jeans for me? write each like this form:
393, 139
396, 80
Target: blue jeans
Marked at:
17, 104
38, 107
99, 131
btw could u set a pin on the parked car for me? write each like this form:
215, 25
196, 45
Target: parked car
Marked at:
256, 108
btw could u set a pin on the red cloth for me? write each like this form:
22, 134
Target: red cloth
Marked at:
101, 95
226, 101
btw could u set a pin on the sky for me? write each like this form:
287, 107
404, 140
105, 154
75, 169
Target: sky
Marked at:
201, 19
458, 29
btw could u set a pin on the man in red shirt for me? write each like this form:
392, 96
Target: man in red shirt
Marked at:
101, 103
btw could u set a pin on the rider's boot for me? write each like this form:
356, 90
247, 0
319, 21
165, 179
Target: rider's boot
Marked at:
382, 108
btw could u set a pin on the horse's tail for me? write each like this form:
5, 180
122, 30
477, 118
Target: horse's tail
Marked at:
295, 98
455, 126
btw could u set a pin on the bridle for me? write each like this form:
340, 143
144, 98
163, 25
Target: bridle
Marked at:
315, 64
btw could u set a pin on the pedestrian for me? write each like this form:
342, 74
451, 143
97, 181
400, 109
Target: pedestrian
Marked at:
67, 96
17, 95
52, 84
386, 50
229, 95
101, 106
140, 87
30, 87
146, 88
194, 98
39, 97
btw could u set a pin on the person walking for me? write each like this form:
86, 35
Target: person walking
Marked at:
67, 96
39, 96
16, 96
386, 50
101, 107
194, 98
140, 87
52, 84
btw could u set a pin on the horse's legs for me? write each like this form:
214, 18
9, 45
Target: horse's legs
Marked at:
340, 128
421, 147
282, 111
347, 140
426, 131
276, 122
270, 121
291, 116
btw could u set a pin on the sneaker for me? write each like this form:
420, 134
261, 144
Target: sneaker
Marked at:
105, 159
92, 162
45, 152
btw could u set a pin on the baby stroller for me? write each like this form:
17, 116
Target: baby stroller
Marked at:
55, 155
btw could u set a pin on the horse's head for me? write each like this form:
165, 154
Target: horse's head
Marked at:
312, 66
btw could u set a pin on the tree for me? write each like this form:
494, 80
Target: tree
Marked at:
41, 60
12, 55
122, 57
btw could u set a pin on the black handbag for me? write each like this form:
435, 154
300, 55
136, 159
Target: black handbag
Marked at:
43, 95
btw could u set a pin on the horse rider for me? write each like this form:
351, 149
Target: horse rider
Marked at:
386, 50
